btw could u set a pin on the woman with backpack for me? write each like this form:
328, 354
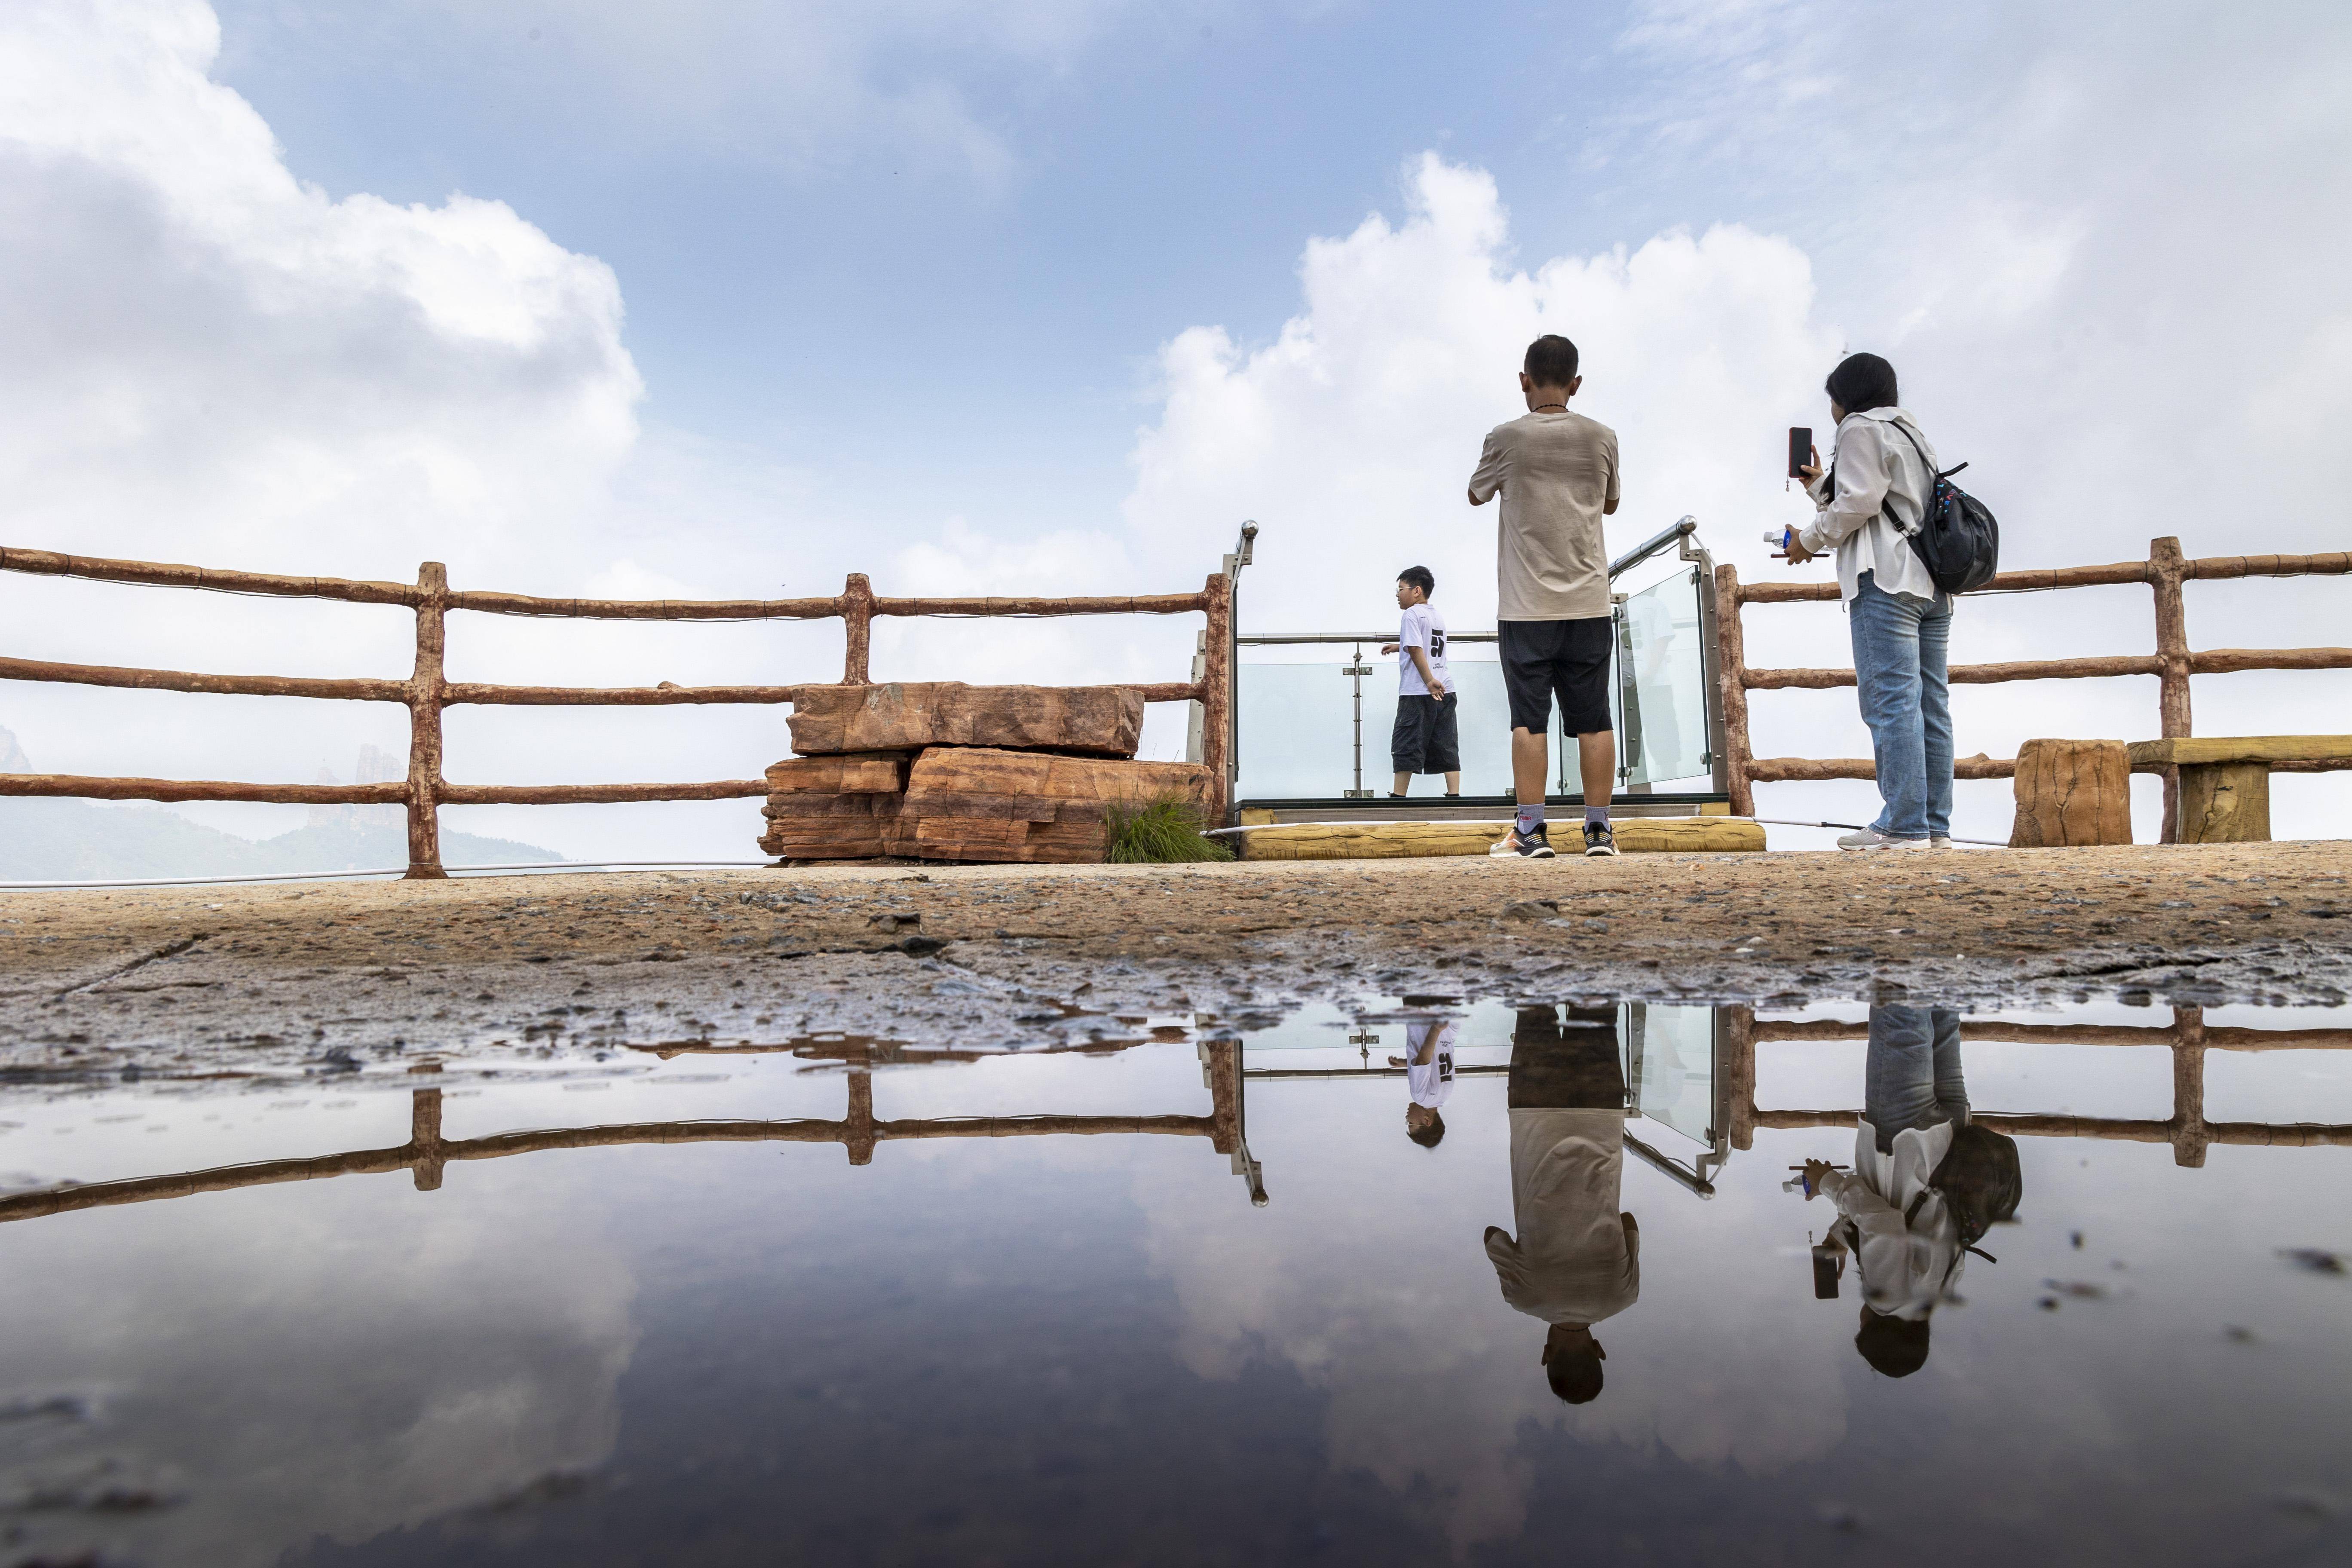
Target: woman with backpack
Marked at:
1874, 494
1926, 1184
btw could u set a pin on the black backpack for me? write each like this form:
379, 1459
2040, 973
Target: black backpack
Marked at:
1956, 536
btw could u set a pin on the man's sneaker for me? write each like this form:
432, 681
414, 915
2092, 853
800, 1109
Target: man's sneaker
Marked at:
1599, 839
1871, 838
1536, 846
1940, 841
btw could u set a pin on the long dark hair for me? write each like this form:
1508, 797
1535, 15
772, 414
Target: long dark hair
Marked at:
1979, 1179
1862, 381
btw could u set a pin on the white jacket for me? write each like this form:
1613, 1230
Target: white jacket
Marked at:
1905, 1241
1878, 472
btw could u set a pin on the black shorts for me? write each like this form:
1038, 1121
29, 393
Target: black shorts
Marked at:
1427, 738
1570, 659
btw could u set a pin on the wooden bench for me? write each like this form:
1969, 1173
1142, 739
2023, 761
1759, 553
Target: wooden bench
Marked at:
2225, 780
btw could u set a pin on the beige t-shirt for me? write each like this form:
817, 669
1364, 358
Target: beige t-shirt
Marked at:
1573, 1261
1556, 472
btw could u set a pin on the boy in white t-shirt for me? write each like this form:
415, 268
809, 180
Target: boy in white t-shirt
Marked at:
1428, 1064
1427, 738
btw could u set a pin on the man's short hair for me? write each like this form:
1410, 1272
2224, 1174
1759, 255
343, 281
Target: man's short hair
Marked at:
1574, 1376
1419, 577
1431, 1136
1863, 381
1894, 1347
1551, 360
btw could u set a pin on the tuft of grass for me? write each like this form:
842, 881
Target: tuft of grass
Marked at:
1166, 831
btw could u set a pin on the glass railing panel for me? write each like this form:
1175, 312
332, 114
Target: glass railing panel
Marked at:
1670, 1066
1661, 686
1295, 730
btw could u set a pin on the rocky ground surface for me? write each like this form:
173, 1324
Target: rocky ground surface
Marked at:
190, 982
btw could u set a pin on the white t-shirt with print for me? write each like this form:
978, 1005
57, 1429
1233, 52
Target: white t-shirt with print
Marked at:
1430, 1082
1421, 627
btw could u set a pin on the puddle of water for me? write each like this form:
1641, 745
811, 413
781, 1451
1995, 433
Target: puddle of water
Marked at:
895, 1302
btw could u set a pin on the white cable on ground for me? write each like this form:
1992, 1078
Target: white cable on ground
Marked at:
1502, 821
1857, 827
381, 871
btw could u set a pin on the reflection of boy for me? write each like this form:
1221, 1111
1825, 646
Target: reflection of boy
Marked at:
1428, 1064
1577, 1259
1427, 736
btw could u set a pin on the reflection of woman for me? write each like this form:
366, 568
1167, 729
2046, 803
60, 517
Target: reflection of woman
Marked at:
1926, 1184
1577, 1259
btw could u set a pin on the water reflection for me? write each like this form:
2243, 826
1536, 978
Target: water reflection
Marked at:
1924, 1186
1575, 1259
675, 1333
1428, 1065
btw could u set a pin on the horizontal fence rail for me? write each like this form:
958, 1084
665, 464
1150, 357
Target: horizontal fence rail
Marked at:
2173, 662
427, 690
2188, 1037
427, 1152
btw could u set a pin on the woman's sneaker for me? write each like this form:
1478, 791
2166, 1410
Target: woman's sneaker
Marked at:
1599, 839
1536, 846
1871, 838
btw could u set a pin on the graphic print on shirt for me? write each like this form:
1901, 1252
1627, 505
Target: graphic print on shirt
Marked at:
1429, 1061
1422, 627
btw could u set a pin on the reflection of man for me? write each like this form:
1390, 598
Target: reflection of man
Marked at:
1428, 1064
1577, 1259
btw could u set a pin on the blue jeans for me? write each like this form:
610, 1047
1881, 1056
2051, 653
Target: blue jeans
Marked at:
1912, 1074
1899, 646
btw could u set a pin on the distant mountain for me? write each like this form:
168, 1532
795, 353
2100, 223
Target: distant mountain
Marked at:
46, 840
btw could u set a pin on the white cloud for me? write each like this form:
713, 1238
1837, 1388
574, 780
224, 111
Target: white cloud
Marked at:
203, 350
1351, 438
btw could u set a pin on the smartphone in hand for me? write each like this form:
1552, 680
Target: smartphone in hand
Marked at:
1800, 450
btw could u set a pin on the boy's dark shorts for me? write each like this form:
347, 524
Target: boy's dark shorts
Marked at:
1565, 659
1427, 739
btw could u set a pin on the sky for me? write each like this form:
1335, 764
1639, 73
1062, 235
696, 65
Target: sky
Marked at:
715, 300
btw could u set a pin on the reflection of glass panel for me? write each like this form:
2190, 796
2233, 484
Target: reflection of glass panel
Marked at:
1670, 1066
1662, 683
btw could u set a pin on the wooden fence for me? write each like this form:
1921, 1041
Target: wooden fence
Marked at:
427, 1154
2173, 662
427, 690
2189, 1038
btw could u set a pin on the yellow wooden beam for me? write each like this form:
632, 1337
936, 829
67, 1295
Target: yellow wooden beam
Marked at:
2193, 749
1412, 840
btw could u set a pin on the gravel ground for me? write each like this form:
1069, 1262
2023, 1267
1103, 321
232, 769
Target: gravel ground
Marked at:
183, 982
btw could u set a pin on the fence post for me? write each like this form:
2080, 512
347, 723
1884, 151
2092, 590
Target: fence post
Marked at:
858, 1129
1217, 696
2165, 572
425, 688
857, 620
1731, 680
1223, 1071
1740, 1024
2189, 1136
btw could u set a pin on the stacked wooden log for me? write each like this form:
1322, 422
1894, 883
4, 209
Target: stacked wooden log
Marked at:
942, 771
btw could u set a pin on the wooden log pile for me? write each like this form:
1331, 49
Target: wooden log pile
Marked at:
942, 771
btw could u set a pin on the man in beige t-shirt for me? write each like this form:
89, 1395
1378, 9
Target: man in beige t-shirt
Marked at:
1557, 473
1577, 1259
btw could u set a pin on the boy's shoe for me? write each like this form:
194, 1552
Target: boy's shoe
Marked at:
1599, 839
1536, 846
1940, 841
1871, 838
